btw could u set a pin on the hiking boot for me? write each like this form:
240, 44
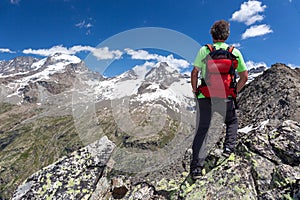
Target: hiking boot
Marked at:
197, 173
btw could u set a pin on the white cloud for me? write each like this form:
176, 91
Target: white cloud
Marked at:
5, 50
48, 52
249, 12
140, 54
236, 45
251, 64
100, 53
257, 30
293, 66
173, 62
104, 53
79, 48
141, 70
84, 24
144, 55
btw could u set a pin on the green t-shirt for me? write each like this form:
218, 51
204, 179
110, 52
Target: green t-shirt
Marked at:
204, 51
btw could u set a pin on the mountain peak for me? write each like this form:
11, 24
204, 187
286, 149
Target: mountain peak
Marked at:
60, 57
163, 73
273, 95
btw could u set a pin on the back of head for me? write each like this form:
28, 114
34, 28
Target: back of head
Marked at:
220, 30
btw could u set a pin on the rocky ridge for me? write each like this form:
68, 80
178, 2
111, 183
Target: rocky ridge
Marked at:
247, 175
265, 166
275, 96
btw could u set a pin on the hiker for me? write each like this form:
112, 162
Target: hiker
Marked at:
215, 94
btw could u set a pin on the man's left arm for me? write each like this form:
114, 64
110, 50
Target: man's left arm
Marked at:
242, 70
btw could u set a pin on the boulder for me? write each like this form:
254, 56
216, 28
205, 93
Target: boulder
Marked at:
72, 177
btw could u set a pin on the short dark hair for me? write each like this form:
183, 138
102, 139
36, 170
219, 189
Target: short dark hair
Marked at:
220, 30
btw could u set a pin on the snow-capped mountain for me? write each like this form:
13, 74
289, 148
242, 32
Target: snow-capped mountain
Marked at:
19, 65
27, 77
255, 72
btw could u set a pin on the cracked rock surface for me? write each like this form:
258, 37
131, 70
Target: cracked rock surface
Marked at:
72, 177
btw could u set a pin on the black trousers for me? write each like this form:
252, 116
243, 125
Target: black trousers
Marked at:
205, 108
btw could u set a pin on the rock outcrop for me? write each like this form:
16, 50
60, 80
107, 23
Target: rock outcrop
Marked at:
256, 171
275, 95
71, 177
264, 166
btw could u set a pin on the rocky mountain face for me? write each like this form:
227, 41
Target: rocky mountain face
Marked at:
31, 80
17, 66
274, 95
76, 135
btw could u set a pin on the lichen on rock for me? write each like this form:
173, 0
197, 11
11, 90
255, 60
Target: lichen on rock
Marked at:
72, 177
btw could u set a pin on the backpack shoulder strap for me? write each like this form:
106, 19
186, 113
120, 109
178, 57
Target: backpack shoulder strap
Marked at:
210, 47
230, 48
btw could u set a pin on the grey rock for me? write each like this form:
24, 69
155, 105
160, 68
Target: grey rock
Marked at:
286, 142
141, 192
71, 177
274, 95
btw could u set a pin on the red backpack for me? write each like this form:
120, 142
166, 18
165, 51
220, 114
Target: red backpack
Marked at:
220, 76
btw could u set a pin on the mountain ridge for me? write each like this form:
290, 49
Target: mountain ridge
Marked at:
93, 107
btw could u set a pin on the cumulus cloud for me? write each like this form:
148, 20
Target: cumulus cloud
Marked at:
5, 50
174, 62
257, 30
140, 54
144, 55
102, 53
293, 66
141, 70
47, 52
252, 64
249, 12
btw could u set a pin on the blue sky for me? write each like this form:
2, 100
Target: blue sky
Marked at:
266, 31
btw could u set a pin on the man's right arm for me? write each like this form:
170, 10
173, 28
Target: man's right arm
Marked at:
194, 78
242, 81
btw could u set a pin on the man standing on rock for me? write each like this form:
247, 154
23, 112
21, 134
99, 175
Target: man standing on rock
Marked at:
210, 98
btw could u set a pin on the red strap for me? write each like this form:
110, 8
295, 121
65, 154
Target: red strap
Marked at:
210, 47
230, 49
